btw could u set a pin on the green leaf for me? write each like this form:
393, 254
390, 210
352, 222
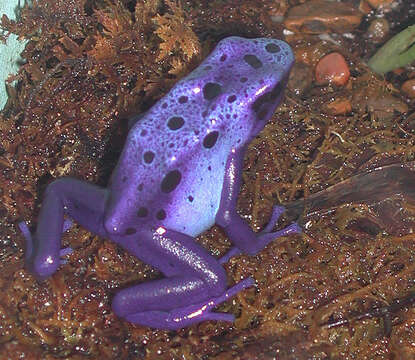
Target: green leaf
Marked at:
398, 51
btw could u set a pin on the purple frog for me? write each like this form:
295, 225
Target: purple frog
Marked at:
179, 173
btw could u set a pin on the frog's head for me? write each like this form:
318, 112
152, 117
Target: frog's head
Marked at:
266, 65
242, 82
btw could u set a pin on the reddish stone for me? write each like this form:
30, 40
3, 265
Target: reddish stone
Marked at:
332, 68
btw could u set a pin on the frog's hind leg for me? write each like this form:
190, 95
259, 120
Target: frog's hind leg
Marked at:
82, 202
239, 232
194, 284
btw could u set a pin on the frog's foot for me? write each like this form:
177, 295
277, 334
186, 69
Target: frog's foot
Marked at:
181, 317
43, 269
263, 238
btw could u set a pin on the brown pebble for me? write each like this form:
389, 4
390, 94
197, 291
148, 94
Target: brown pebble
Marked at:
332, 68
378, 30
408, 88
320, 16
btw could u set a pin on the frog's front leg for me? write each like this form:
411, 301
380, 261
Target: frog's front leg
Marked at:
239, 232
81, 201
194, 282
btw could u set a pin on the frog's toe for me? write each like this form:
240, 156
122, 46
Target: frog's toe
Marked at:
41, 266
264, 239
277, 211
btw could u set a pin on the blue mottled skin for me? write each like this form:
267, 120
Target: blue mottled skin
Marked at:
179, 173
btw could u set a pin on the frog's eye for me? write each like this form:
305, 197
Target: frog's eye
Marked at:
211, 90
272, 48
253, 61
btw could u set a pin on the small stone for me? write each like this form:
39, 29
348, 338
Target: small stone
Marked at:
378, 30
332, 68
408, 88
321, 16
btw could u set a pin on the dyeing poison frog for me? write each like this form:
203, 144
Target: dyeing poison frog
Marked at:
179, 173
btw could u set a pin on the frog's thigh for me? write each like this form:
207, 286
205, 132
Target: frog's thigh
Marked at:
192, 275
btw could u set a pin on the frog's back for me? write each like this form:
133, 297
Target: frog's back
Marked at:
173, 163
